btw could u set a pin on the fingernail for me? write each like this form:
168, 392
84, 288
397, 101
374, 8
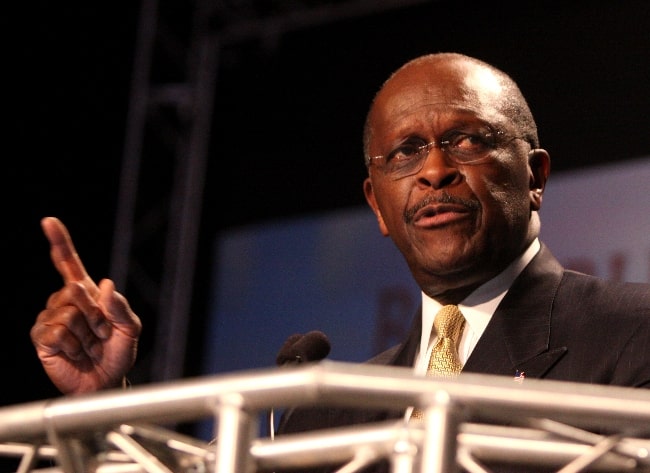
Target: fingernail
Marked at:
103, 330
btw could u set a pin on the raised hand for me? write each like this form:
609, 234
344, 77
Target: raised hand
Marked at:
87, 335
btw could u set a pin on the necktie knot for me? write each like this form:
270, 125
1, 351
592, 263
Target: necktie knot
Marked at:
449, 322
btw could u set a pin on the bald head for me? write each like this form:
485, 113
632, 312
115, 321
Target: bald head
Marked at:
471, 78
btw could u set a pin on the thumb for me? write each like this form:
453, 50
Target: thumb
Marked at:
117, 310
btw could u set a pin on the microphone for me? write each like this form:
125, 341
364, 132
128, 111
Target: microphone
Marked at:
298, 348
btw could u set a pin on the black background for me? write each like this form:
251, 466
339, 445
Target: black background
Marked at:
287, 123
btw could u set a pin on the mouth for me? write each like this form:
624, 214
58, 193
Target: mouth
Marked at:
439, 210
438, 215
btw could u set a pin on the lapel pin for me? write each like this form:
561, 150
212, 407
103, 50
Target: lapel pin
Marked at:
519, 376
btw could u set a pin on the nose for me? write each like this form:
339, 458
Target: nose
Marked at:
438, 171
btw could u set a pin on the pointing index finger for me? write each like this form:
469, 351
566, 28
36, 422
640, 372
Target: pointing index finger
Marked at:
63, 253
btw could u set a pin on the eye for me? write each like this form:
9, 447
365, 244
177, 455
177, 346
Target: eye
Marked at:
469, 142
406, 151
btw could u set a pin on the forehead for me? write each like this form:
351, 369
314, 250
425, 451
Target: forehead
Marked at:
427, 90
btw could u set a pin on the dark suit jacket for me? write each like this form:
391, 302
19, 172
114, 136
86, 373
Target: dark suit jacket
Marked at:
552, 324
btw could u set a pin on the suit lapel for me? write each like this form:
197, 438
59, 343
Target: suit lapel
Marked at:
518, 335
404, 353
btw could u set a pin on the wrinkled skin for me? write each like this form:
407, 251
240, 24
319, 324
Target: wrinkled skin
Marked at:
86, 337
456, 225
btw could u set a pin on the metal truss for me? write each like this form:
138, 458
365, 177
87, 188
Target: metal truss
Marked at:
473, 423
176, 64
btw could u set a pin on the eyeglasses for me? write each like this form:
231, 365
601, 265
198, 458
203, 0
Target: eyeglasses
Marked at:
465, 146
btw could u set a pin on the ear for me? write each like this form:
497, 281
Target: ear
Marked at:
369, 192
539, 167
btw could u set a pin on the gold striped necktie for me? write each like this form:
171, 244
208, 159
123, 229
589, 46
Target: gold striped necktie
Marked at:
444, 361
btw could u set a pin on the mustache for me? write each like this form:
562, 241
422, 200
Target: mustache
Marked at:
444, 198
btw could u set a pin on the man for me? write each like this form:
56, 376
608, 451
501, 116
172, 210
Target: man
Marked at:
455, 178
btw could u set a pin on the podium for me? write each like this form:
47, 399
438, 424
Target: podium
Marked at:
470, 423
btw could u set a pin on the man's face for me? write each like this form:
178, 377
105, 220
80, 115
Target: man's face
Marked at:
457, 223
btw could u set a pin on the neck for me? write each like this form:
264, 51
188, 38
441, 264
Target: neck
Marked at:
454, 296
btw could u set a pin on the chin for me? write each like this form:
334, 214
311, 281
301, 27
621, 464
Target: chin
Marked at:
467, 266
